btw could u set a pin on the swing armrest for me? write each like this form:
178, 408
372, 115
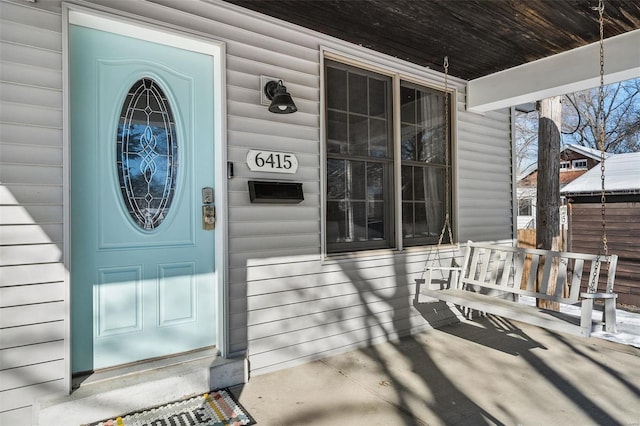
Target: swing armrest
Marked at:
444, 268
453, 283
440, 268
598, 295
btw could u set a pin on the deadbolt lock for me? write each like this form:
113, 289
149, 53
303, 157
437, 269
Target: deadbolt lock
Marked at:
207, 195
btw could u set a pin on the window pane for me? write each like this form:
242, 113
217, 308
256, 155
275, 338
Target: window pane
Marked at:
336, 179
408, 148
434, 184
358, 135
408, 102
419, 183
375, 221
421, 225
337, 132
407, 220
434, 188
407, 183
377, 98
336, 222
375, 182
337, 83
431, 143
358, 100
379, 137
525, 207
357, 181
359, 222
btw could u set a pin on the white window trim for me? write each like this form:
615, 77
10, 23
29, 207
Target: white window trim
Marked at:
567, 168
396, 78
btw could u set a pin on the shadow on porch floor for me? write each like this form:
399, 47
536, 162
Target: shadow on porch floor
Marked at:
489, 371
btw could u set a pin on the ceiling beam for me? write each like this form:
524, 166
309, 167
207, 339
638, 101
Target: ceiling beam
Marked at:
566, 72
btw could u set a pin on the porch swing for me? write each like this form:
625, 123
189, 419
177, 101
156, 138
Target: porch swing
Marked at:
492, 277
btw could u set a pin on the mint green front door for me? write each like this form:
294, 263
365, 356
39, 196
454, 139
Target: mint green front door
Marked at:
142, 262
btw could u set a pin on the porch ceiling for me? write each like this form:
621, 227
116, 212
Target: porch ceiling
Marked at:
480, 37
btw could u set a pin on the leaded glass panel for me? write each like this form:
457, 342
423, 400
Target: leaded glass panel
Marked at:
147, 154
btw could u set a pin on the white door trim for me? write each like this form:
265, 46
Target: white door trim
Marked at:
146, 29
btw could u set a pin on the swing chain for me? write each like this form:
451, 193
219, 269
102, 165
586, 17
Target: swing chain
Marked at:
447, 220
601, 129
447, 188
447, 223
593, 285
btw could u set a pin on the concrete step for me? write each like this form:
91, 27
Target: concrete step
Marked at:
119, 391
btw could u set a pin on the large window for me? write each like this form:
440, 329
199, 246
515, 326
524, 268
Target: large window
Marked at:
362, 172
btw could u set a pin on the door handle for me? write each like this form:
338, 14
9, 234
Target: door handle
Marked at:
208, 217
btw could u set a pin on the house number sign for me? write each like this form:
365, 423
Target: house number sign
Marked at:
271, 161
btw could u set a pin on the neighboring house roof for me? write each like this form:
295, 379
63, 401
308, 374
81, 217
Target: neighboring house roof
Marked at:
592, 153
588, 152
530, 169
622, 176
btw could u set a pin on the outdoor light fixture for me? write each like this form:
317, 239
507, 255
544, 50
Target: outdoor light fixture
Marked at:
281, 102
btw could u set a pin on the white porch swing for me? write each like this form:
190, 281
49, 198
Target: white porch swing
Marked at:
492, 277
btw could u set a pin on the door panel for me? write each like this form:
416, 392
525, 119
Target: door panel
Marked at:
142, 273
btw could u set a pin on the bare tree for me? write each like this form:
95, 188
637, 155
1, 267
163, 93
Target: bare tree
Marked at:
526, 146
579, 125
621, 115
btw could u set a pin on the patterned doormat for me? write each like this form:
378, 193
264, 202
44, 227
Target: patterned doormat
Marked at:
218, 408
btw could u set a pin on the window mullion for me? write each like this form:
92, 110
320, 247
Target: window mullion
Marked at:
397, 165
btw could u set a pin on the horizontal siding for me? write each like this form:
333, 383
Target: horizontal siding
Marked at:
32, 334
31, 274
19, 416
24, 315
16, 378
17, 194
31, 76
31, 294
32, 291
484, 176
23, 397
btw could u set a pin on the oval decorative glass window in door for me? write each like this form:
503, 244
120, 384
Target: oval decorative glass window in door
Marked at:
147, 154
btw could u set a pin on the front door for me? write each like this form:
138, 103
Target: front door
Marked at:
142, 174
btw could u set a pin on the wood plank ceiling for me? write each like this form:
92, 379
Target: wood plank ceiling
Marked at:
480, 37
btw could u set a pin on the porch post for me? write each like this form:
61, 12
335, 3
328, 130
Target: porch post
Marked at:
548, 184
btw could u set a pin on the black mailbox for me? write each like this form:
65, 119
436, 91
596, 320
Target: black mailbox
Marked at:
275, 192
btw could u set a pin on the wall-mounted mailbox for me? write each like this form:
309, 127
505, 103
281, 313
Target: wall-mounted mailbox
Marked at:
275, 192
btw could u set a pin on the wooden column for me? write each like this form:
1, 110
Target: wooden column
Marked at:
548, 184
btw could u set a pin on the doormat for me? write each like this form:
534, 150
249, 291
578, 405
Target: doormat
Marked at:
218, 408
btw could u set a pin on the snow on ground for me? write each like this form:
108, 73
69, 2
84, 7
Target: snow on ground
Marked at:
628, 329
628, 323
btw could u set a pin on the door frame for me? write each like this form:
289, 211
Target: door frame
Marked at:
146, 29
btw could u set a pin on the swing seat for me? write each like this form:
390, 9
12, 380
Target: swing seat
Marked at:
493, 277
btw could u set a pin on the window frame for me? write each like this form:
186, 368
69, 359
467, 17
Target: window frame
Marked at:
416, 164
575, 166
398, 74
387, 163
525, 202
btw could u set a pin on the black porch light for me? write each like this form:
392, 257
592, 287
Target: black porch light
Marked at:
281, 102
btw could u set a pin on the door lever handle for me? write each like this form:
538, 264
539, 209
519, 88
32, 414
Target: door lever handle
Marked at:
208, 217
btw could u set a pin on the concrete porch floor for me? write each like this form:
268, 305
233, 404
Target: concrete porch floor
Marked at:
489, 371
